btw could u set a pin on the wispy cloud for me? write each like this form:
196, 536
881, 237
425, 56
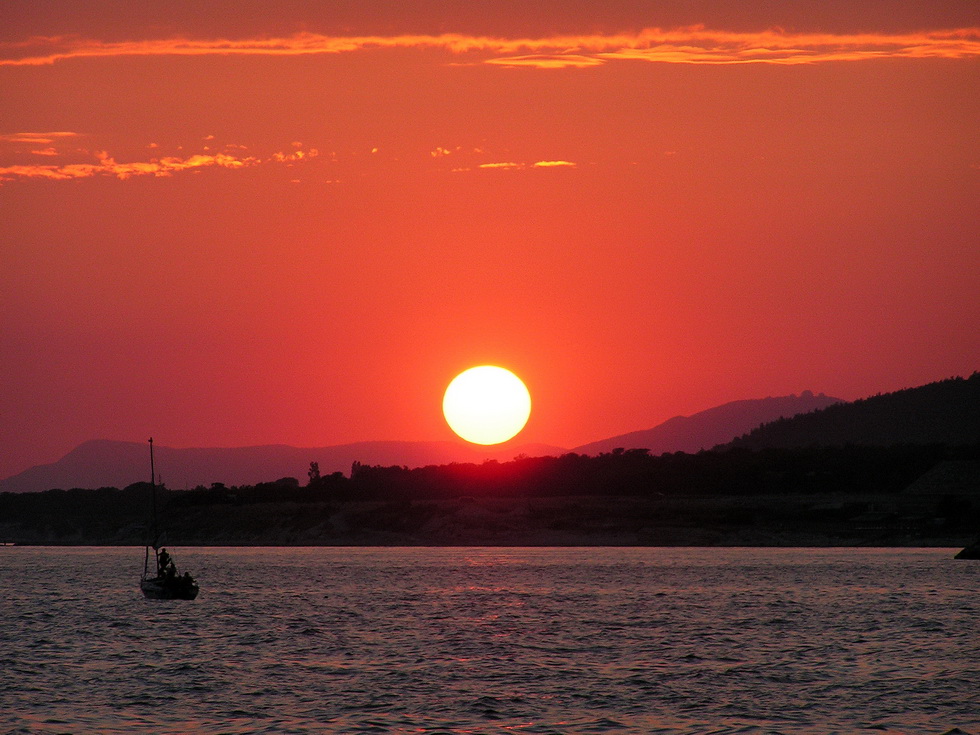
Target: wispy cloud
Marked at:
552, 61
106, 165
295, 156
46, 144
36, 138
689, 45
515, 166
502, 165
101, 163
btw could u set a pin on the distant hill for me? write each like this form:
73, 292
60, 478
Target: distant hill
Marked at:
945, 412
709, 428
107, 463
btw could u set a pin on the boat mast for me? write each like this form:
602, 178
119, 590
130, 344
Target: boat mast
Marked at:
153, 495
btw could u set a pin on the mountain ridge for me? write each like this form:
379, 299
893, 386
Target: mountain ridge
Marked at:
713, 426
113, 463
942, 412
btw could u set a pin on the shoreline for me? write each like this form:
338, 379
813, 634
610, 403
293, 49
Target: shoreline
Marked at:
893, 520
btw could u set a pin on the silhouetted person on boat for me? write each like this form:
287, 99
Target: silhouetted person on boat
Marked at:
165, 565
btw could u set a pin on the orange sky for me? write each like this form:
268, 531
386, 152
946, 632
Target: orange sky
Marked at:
227, 224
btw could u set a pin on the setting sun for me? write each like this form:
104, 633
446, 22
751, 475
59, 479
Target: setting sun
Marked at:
486, 405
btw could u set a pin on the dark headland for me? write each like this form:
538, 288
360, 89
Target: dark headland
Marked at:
898, 469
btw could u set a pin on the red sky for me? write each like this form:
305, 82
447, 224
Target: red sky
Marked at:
231, 223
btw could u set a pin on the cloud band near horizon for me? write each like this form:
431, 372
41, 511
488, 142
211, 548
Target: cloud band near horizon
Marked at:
690, 45
107, 165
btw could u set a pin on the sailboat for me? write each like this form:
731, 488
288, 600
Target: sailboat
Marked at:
163, 582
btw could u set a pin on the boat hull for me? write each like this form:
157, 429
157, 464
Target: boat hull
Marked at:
157, 588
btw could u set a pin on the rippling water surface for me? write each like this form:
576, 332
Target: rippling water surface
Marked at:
378, 640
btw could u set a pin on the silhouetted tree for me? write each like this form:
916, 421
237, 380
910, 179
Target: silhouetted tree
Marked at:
314, 473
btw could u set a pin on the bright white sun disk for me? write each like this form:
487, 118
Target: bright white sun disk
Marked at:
486, 405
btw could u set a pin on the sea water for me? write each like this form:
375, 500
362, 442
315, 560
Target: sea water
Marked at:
493, 640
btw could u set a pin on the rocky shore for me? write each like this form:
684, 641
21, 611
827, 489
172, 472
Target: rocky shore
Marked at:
761, 520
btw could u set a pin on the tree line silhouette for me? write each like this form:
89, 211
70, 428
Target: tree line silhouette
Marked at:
852, 469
